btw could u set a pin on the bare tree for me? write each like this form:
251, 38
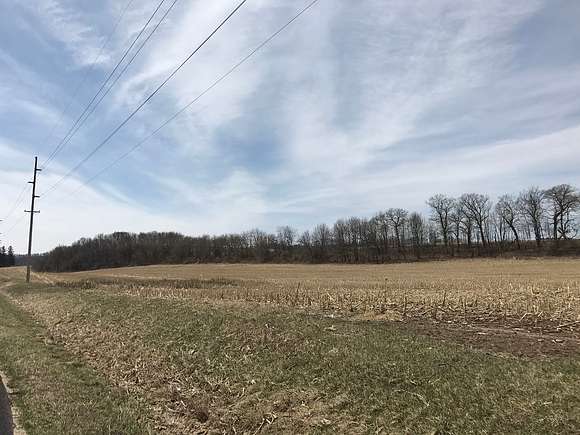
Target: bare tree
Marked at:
456, 219
367, 237
442, 207
509, 211
286, 237
383, 233
262, 243
417, 229
398, 217
432, 231
340, 235
354, 239
532, 205
321, 237
477, 207
374, 237
464, 224
305, 241
534, 214
497, 228
564, 200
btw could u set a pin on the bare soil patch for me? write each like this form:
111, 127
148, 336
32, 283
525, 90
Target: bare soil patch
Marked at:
514, 341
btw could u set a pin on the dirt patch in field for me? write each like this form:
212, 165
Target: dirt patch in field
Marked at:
513, 341
510, 336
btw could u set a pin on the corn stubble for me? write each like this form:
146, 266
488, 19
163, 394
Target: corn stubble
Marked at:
536, 293
234, 349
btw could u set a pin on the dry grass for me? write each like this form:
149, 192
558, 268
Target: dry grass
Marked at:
542, 293
54, 391
461, 269
229, 348
238, 368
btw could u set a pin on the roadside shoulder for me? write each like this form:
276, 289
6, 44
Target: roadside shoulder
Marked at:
9, 414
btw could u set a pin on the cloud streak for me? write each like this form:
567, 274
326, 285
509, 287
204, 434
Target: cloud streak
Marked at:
357, 107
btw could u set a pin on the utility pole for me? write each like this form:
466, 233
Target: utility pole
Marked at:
32, 213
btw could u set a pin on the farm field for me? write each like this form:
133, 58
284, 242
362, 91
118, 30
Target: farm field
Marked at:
544, 268
538, 293
482, 346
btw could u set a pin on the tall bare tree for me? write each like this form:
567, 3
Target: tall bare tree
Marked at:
383, 233
367, 237
398, 217
340, 235
417, 228
532, 203
564, 200
374, 238
286, 237
533, 215
477, 208
305, 241
321, 237
442, 207
466, 222
456, 219
497, 228
509, 211
354, 237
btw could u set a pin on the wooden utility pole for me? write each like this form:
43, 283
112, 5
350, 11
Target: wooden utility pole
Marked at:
32, 212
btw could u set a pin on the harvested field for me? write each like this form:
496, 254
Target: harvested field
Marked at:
407, 348
543, 294
461, 269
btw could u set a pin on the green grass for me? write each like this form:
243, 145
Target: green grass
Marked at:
56, 393
249, 368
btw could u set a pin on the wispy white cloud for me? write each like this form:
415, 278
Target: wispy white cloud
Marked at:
22, 92
406, 68
358, 106
238, 200
68, 25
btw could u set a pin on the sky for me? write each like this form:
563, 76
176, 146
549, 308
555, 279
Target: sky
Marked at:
356, 107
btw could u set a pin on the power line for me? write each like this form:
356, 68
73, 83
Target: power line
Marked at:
72, 130
128, 118
20, 219
18, 201
20, 197
94, 107
198, 97
85, 77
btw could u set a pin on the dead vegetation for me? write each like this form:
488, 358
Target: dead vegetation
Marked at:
242, 368
541, 294
337, 349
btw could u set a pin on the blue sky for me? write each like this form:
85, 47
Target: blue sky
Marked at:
357, 107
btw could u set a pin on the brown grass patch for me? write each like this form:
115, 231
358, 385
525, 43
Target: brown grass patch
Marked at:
540, 294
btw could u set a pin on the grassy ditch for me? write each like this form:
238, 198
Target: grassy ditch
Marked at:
55, 391
243, 368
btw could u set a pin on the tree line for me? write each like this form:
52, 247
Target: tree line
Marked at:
7, 258
535, 222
